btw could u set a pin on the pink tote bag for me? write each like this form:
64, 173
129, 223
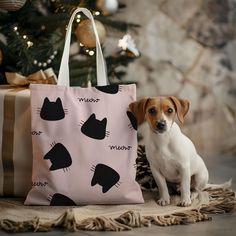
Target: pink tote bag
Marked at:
84, 139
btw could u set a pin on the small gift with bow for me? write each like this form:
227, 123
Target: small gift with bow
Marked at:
15, 131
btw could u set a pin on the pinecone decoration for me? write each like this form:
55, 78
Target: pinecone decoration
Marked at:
144, 175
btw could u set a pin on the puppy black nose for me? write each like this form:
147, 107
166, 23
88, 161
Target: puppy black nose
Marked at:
161, 125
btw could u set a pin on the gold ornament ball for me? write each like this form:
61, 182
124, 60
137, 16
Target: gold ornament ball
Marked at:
13, 5
85, 34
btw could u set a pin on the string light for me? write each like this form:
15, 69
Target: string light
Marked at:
91, 53
30, 44
96, 13
78, 16
47, 62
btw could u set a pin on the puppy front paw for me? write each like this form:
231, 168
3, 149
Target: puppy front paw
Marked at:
185, 202
164, 201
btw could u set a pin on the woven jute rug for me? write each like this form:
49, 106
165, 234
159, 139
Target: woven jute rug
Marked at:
216, 199
15, 217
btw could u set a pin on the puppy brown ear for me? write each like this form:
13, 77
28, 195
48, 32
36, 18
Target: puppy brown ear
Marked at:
139, 108
181, 106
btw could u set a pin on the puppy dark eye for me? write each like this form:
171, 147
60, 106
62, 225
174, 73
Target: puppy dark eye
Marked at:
152, 111
170, 110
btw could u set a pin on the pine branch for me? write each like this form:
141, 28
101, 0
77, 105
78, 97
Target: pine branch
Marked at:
5, 18
119, 25
44, 22
51, 22
119, 60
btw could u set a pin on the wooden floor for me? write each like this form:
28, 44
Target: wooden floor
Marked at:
221, 169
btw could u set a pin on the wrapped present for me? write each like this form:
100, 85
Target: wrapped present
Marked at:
15, 132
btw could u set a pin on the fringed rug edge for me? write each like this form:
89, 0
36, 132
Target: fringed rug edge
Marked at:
221, 201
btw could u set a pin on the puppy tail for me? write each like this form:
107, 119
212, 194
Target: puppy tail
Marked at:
226, 185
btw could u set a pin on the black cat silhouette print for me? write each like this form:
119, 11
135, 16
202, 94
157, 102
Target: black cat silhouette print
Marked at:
111, 89
59, 199
95, 128
105, 176
133, 121
59, 157
52, 111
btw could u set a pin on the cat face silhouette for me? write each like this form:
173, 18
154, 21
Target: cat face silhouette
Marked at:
111, 89
59, 157
105, 176
94, 128
133, 120
59, 199
52, 111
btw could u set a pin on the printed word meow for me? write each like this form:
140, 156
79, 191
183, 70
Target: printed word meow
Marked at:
119, 148
88, 99
39, 184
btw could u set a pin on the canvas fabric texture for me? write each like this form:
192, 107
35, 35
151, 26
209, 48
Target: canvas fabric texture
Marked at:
84, 139
84, 146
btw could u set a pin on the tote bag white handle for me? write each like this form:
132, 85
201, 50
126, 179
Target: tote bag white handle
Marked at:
63, 76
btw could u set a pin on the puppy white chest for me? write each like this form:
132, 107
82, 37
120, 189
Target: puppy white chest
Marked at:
163, 157
168, 165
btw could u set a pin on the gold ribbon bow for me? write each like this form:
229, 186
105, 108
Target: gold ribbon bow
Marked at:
40, 77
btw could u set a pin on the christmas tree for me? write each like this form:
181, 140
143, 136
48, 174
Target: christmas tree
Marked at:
32, 37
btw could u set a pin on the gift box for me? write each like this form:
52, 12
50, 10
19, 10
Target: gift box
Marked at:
15, 133
15, 141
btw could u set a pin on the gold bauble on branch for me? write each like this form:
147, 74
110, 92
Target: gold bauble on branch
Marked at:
13, 5
85, 34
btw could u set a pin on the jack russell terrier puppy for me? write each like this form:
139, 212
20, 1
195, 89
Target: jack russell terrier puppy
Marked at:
172, 155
